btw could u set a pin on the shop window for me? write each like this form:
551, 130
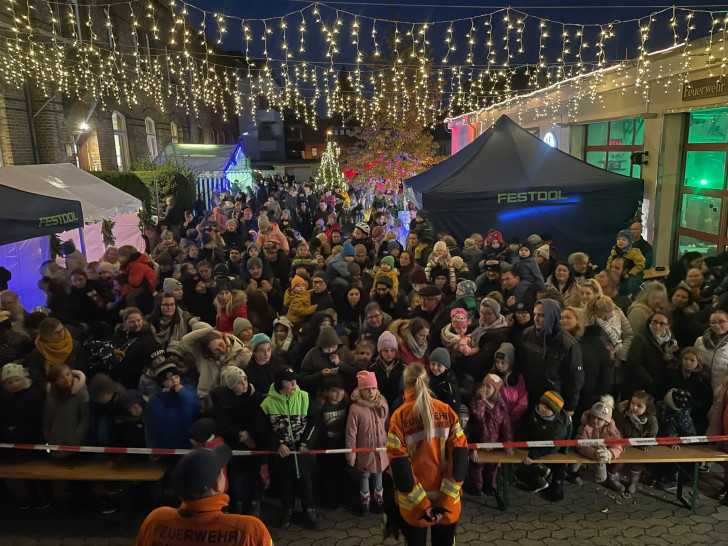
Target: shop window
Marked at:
597, 135
598, 159
174, 131
314, 152
609, 145
121, 141
700, 213
708, 126
691, 244
151, 130
705, 169
639, 132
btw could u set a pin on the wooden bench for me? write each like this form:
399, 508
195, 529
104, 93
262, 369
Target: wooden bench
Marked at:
688, 459
652, 274
126, 471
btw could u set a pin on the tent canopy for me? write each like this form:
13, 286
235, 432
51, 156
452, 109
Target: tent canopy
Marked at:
508, 179
99, 200
204, 158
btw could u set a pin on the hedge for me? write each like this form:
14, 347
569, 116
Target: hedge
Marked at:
130, 183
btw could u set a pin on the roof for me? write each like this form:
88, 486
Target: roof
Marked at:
200, 157
99, 200
506, 158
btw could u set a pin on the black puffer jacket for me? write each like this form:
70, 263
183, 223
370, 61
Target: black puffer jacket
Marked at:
139, 349
550, 359
598, 368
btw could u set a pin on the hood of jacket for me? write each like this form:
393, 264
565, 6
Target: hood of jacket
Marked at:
328, 338
78, 383
289, 336
285, 404
552, 317
239, 298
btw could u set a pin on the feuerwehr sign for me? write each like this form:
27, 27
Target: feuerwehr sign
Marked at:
705, 88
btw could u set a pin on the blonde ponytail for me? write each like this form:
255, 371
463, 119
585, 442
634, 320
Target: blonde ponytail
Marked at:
416, 376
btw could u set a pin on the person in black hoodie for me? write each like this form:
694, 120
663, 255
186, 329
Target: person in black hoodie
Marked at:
388, 368
86, 298
263, 364
549, 358
443, 383
136, 346
235, 406
128, 429
198, 299
21, 422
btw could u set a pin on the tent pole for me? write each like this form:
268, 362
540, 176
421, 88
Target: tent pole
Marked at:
83, 241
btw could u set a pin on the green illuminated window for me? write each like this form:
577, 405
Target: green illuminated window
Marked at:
705, 169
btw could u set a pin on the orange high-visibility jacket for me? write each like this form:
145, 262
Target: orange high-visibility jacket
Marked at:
431, 460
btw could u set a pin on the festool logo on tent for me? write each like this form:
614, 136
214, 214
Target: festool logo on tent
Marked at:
57, 219
526, 196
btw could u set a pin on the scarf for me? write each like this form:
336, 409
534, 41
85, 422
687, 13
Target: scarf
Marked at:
418, 351
636, 420
55, 353
418, 250
664, 341
171, 328
711, 340
614, 335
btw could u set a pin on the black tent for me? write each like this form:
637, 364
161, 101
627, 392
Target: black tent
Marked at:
508, 179
25, 215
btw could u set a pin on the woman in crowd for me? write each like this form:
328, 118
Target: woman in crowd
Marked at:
652, 356
414, 344
136, 347
652, 298
563, 280
55, 346
170, 323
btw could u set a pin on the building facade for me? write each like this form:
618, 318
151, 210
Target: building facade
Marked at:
662, 118
36, 128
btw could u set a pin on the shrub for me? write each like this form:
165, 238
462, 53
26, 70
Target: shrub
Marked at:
171, 183
128, 182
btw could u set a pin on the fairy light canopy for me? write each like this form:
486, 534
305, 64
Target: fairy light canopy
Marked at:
180, 52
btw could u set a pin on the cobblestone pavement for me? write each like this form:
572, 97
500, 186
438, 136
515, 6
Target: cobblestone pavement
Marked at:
589, 514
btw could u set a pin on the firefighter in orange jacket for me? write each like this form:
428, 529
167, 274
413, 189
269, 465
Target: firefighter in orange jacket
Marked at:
429, 459
199, 480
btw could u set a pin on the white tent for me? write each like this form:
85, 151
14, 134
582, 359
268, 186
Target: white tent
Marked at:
99, 201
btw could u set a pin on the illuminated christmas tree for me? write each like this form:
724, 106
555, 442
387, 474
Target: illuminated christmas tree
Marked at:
329, 173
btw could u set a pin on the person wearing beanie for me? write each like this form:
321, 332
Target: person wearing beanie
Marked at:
243, 330
513, 390
298, 300
229, 304
174, 287
440, 259
292, 429
443, 383
455, 336
417, 278
489, 422
330, 356
21, 408
422, 228
231, 236
386, 269
74, 258
548, 421
366, 428
526, 268
597, 424
104, 393
171, 410
465, 298
269, 231
338, 266
388, 367
634, 261
235, 408
263, 363
472, 255
347, 250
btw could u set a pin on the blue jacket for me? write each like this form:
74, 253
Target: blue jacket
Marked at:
527, 269
169, 416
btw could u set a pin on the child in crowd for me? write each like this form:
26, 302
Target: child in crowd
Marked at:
66, 417
299, 301
129, 428
454, 335
364, 352
365, 427
331, 410
21, 422
443, 384
388, 367
440, 260
673, 415
465, 298
689, 377
423, 227
489, 422
527, 269
204, 434
597, 423
386, 269
494, 248
634, 261
304, 258
548, 421
636, 418
513, 393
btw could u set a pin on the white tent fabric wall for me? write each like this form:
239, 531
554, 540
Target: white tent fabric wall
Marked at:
126, 231
23, 259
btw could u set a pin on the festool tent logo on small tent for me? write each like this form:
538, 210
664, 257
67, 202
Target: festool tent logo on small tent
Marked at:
57, 219
526, 196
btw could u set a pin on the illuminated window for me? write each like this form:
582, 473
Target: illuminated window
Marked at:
550, 139
609, 145
121, 142
174, 132
151, 130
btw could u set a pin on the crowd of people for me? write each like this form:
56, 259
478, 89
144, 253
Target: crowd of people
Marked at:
285, 320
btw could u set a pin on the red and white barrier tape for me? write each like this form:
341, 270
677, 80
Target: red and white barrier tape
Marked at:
638, 442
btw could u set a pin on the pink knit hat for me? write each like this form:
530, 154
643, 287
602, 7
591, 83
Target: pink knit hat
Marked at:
495, 381
366, 380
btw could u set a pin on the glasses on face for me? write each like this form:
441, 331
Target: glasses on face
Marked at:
318, 282
659, 323
372, 317
718, 322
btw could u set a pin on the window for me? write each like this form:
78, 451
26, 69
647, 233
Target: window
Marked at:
610, 144
703, 194
151, 130
314, 152
550, 139
121, 142
174, 132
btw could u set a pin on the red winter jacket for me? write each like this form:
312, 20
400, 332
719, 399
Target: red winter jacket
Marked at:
137, 269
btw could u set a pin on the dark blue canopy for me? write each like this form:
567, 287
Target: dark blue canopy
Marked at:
508, 179
25, 215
